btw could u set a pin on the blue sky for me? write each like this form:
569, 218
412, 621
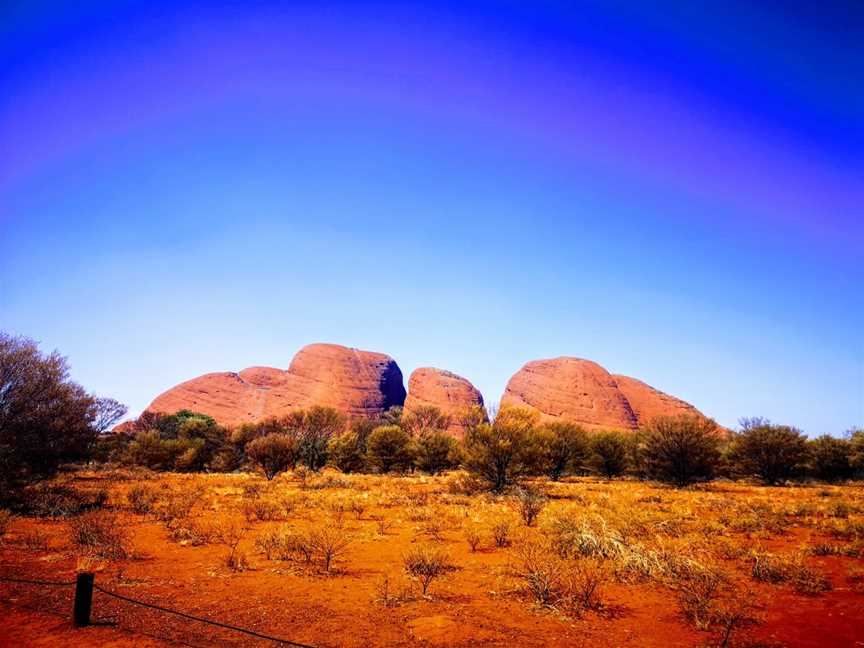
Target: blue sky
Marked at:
674, 194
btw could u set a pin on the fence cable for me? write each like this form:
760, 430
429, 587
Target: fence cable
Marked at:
251, 633
159, 608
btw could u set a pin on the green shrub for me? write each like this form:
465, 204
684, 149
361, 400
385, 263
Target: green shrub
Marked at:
681, 449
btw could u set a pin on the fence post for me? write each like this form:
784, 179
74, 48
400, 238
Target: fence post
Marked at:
83, 599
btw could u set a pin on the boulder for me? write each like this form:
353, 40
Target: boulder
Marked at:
451, 394
357, 383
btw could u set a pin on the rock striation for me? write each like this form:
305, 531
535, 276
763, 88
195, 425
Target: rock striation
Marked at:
357, 383
583, 392
451, 394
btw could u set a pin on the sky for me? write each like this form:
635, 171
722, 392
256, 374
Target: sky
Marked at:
675, 193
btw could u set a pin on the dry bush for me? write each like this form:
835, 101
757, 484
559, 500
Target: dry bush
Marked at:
389, 596
329, 543
542, 573
473, 537
588, 577
530, 502
99, 534
177, 507
58, 500
358, 507
434, 528
382, 523
141, 499
190, 532
698, 594
264, 510
426, 564
501, 533
571, 586
772, 568
230, 534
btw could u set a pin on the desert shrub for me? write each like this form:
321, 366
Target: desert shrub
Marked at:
609, 453
382, 524
358, 507
698, 594
346, 453
563, 447
530, 503
829, 458
571, 586
388, 595
177, 507
773, 452
273, 453
141, 499
190, 532
426, 564
501, 530
503, 450
57, 500
231, 534
772, 568
282, 544
681, 449
473, 537
45, 418
329, 543
261, 509
435, 451
542, 573
389, 448
99, 534
465, 484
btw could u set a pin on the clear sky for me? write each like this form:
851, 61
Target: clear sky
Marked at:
675, 193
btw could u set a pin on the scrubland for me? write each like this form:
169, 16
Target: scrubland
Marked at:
329, 559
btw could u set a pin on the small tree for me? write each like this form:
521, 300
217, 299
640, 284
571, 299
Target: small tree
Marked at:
563, 447
856, 451
501, 451
829, 458
274, 453
389, 448
773, 452
45, 418
320, 424
609, 453
424, 419
435, 451
345, 452
681, 449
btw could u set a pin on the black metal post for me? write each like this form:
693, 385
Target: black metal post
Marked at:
83, 599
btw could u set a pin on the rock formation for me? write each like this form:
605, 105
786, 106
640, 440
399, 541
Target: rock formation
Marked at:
357, 383
647, 402
451, 394
581, 391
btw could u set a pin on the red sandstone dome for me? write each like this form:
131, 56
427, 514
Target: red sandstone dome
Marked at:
357, 383
583, 392
451, 394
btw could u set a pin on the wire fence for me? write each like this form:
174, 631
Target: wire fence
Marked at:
216, 633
